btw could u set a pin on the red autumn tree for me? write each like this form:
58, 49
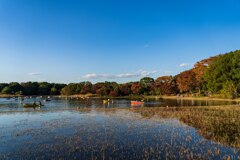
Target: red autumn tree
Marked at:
136, 88
165, 85
200, 69
186, 81
125, 89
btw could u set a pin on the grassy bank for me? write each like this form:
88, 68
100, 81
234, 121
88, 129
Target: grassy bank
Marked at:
201, 98
9, 96
133, 97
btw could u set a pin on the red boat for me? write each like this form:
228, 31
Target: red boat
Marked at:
136, 103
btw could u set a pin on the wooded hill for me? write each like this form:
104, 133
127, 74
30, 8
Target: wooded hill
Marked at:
214, 76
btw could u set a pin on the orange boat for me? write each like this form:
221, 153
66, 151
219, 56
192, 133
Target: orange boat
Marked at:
136, 103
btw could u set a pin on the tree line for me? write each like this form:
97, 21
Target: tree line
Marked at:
218, 75
31, 88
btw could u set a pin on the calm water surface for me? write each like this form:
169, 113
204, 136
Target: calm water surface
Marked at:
58, 103
61, 129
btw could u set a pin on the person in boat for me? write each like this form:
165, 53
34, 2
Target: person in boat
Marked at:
40, 103
34, 103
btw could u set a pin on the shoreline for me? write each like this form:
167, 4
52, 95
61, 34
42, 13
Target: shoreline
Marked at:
201, 98
128, 97
10, 96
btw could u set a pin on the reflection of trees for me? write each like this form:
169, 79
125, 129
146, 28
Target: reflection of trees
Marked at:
220, 124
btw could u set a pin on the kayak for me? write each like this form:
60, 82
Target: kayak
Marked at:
105, 101
136, 103
30, 105
34, 105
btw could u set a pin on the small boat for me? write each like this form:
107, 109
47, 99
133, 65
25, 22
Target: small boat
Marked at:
30, 105
47, 100
105, 101
137, 103
34, 105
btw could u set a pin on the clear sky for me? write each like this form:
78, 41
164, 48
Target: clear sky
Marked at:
112, 40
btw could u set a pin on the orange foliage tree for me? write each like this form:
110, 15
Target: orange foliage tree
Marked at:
186, 81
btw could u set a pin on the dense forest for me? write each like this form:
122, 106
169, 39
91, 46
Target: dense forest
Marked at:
214, 76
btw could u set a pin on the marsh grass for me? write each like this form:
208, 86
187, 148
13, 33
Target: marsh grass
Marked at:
219, 123
127, 133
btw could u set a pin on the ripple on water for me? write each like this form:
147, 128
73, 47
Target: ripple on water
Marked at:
90, 134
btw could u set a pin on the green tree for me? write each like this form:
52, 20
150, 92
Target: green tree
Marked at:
224, 70
2, 85
44, 88
7, 90
12, 88
30, 88
229, 90
54, 91
146, 84
70, 89
59, 87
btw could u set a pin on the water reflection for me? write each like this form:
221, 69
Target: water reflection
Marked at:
66, 103
90, 129
103, 134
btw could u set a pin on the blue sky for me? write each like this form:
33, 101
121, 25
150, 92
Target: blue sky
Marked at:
112, 40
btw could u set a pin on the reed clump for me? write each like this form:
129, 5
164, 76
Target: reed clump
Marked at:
219, 123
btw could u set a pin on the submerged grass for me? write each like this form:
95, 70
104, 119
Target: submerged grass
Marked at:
219, 123
127, 133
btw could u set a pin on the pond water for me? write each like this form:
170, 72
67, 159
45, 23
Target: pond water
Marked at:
63, 103
89, 129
